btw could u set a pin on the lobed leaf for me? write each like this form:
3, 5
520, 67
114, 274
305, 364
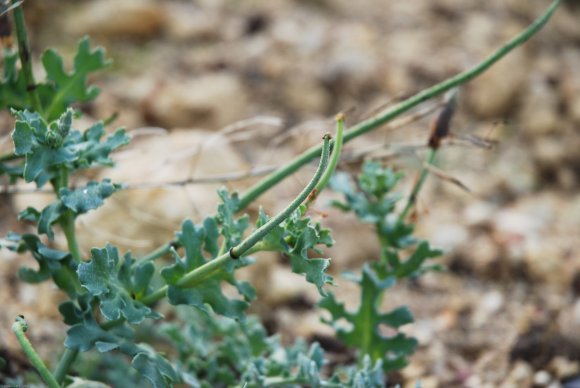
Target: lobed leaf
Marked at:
115, 284
231, 228
61, 88
365, 332
197, 239
65, 88
89, 197
298, 237
49, 147
87, 334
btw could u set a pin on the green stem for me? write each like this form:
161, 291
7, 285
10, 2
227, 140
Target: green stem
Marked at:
66, 360
201, 273
262, 231
159, 252
19, 328
418, 185
400, 108
67, 224
334, 159
24, 53
10, 157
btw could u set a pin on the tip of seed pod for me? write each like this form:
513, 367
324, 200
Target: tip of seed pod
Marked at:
327, 136
339, 116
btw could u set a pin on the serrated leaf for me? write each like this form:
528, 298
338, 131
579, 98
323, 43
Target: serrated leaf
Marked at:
61, 88
155, 369
43, 147
366, 321
29, 214
314, 270
89, 197
196, 239
369, 376
412, 266
150, 364
50, 215
83, 336
70, 313
13, 91
305, 237
49, 260
70, 87
23, 138
231, 228
87, 334
35, 168
114, 285
94, 152
373, 201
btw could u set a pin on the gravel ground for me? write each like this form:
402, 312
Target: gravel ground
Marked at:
215, 87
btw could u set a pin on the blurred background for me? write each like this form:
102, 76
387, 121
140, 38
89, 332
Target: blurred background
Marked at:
233, 88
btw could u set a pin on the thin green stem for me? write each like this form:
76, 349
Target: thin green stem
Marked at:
332, 164
69, 277
66, 360
159, 252
275, 221
25, 57
205, 271
67, 224
335, 156
400, 108
19, 328
10, 157
418, 184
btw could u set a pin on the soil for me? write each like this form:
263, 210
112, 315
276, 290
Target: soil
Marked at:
217, 87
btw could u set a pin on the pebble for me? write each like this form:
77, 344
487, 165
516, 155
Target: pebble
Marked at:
210, 101
497, 92
539, 112
137, 19
542, 378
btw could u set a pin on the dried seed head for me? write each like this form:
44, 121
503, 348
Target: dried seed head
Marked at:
441, 125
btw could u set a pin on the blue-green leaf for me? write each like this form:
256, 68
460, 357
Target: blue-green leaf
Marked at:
366, 321
70, 87
197, 239
115, 284
89, 197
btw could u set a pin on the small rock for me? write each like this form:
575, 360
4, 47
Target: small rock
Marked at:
489, 305
449, 236
186, 22
539, 114
210, 102
520, 376
564, 368
138, 19
542, 378
305, 96
497, 91
478, 213
549, 152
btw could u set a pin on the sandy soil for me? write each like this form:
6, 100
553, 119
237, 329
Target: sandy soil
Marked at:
506, 313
